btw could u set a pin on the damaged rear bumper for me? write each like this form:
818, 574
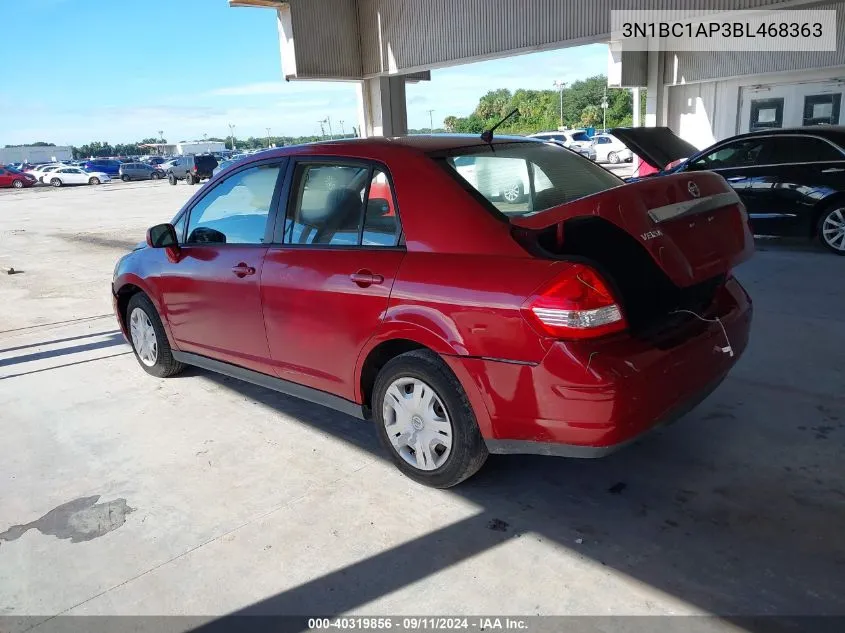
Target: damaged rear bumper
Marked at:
589, 398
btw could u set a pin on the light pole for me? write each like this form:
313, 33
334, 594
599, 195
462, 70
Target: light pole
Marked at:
268, 138
342, 129
430, 122
604, 112
232, 134
321, 123
161, 138
560, 85
329, 122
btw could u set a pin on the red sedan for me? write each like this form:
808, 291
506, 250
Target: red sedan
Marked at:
11, 177
402, 280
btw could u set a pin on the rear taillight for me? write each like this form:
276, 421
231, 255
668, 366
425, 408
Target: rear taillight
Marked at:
576, 304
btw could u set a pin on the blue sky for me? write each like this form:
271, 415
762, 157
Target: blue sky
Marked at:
113, 71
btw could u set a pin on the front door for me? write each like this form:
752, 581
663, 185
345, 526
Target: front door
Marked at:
326, 287
6, 178
212, 295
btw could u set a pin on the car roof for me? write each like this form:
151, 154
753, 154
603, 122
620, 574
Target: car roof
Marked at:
426, 143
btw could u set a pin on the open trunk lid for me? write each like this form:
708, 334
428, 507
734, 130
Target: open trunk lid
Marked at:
657, 146
693, 226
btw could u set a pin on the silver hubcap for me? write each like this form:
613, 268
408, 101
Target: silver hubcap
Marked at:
833, 230
143, 337
18, 184
512, 193
417, 424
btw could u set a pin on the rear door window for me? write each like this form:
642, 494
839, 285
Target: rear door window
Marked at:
803, 149
342, 204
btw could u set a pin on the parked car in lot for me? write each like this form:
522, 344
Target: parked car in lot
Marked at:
791, 180
139, 171
11, 177
369, 276
610, 149
569, 138
191, 169
44, 170
110, 166
74, 176
155, 161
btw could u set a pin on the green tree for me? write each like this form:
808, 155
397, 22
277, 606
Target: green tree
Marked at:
591, 116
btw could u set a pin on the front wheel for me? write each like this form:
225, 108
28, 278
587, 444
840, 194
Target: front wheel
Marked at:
124, 178
189, 179
56, 182
17, 184
171, 179
831, 230
148, 338
613, 157
425, 421
155, 176
94, 181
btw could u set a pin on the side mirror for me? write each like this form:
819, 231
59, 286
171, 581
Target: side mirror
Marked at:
163, 236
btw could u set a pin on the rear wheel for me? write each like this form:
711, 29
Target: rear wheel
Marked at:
831, 230
171, 179
613, 157
124, 178
17, 184
93, 181
155, 176
148, 338
189, 179
56, 182
425, 421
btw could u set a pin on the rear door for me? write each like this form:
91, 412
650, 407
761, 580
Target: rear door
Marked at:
6, 178
804, 170
325, 287
212, 294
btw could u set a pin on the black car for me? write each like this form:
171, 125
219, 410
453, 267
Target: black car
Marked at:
191, 168
791, 180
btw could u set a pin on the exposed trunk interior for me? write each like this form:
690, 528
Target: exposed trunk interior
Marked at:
649, 299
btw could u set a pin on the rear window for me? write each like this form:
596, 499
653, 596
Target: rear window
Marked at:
580, 136
520, 179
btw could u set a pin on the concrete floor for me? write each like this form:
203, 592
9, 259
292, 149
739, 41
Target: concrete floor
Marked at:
125, 494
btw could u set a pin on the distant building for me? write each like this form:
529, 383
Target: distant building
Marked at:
34, 154
186, 148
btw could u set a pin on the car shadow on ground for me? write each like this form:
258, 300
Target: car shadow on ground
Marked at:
711, 510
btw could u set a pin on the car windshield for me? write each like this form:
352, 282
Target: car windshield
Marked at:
525, 178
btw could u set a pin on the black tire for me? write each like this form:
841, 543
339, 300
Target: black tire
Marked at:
468, 451
613, 158
171, 179
125, 178
189, 179
55, 182
155, 176
94, 181
17, 184
165, 365
829, 236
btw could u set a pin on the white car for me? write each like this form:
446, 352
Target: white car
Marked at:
40, 170
74, 176
570, 138
500, 178
610, 149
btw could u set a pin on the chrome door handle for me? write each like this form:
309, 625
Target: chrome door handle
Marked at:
242, 270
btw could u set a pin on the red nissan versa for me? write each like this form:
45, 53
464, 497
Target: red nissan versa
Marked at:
390, 279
